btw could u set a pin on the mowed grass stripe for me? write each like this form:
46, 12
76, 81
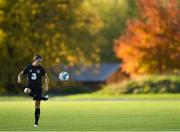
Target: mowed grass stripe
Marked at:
90, 115
97, 96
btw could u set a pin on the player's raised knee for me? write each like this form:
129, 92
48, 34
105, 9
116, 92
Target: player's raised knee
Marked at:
27, 91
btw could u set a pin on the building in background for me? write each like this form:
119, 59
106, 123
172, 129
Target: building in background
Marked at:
90, 77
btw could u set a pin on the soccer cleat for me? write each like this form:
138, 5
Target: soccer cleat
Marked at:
46, 97
35, 125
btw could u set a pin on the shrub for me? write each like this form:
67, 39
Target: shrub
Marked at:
145, 84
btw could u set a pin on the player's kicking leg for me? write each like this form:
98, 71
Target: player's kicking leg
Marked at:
28, 92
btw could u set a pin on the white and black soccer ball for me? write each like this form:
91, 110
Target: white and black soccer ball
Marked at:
64, 76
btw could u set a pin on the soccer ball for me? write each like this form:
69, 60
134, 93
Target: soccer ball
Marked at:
64, 76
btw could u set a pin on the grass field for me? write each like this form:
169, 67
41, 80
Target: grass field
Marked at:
92, 115
98, 96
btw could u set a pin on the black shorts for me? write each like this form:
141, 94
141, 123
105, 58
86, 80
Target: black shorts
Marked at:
36, 92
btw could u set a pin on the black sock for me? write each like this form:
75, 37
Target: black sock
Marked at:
37, 115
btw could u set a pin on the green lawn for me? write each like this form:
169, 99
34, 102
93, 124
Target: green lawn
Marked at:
122, 96
97, 96
92, 115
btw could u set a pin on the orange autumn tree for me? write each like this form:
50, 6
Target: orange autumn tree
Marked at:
151, 43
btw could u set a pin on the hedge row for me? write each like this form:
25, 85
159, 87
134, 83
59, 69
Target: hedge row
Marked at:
146, 84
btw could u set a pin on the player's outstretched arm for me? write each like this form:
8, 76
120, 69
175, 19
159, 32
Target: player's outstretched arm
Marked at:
46, 97
19, 77
46, 82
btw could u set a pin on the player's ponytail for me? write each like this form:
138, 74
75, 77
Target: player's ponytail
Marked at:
37, 56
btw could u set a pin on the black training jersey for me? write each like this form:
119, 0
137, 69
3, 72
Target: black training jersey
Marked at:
34, 75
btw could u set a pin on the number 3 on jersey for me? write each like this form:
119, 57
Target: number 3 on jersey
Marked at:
33, 76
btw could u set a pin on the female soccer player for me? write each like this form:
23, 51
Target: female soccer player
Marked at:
34, 73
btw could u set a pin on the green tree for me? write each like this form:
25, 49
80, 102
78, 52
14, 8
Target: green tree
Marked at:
62, 31
114, 14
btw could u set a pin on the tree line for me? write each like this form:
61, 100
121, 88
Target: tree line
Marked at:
62, 31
